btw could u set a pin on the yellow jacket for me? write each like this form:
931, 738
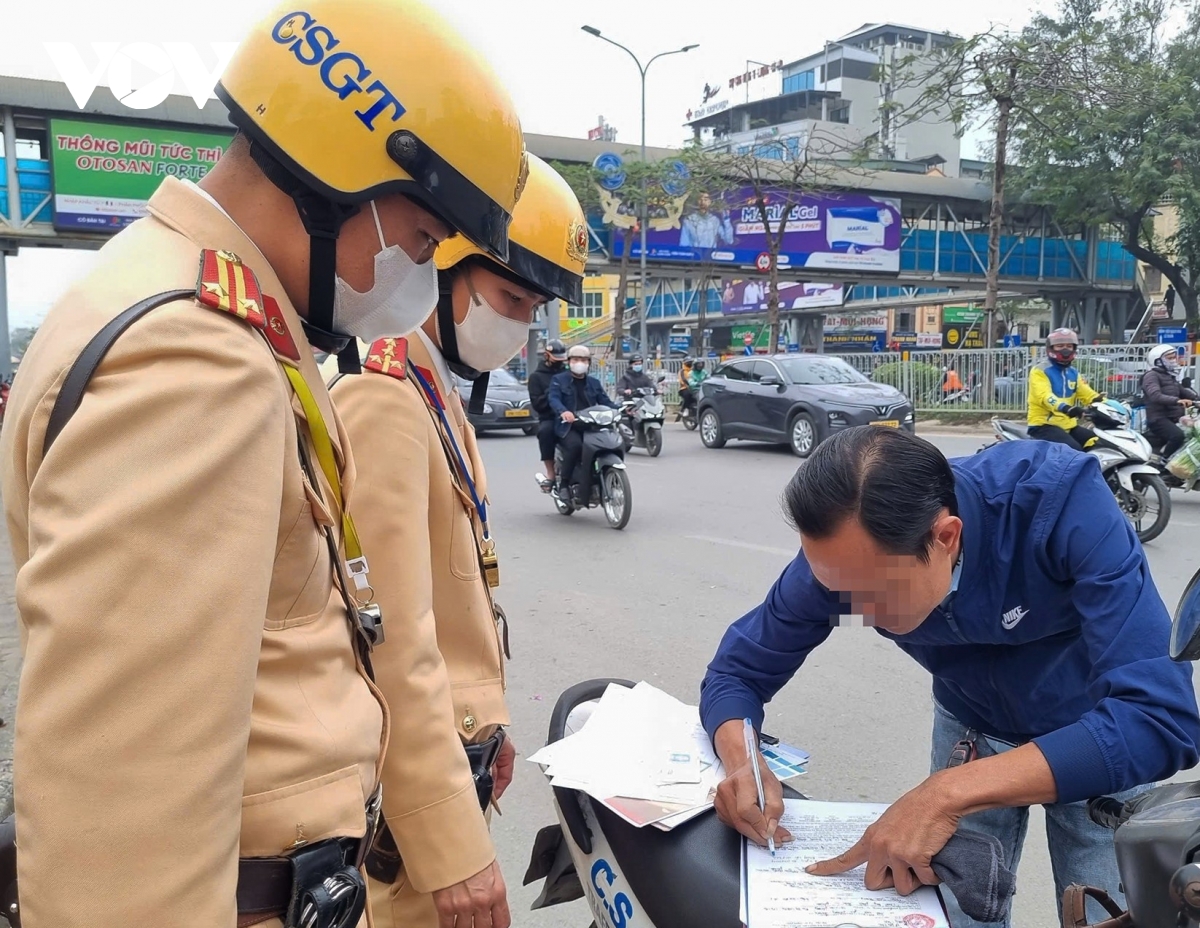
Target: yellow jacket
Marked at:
1052, 391
425, 570
190, 690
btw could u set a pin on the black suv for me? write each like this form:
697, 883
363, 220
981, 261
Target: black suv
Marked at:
800, 399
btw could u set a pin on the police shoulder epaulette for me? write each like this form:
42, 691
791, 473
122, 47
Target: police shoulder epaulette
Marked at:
226, 284
388, 356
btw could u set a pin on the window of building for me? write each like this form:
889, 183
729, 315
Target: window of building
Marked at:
805, 80
904, 321
592, 308
840, 114
1043, 329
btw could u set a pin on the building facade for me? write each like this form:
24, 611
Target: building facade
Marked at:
837, 101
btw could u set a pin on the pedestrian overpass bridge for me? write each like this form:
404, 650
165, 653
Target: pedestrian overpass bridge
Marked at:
943, 254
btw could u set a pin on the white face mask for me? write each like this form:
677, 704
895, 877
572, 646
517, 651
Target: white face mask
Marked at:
400, 299
579, 368
486, 339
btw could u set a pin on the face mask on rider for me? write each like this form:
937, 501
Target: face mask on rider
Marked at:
579, 368
636, 368
486, 339
401, 296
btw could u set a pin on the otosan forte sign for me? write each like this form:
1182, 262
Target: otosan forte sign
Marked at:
104, 173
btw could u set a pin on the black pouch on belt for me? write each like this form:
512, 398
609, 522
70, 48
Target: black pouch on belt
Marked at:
8, 872
482, 757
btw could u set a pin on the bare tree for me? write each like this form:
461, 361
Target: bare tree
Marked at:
771, 178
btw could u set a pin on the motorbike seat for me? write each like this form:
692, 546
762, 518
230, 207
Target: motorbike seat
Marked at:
690, 875
1017, 430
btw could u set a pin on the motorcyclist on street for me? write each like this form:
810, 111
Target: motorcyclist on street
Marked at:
554, 361
697, 377
1058, 394
571, 391
634, 378
1166, 400
686, 397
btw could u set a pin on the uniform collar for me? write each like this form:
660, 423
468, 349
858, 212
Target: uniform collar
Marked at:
194, 214
446, 384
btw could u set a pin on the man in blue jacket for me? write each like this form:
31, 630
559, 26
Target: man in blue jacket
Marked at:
572, 390
1014, 579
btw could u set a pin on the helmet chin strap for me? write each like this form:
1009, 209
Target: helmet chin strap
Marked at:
449, 341
323, 220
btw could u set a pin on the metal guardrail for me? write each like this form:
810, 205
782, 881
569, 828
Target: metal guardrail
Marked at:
925, 376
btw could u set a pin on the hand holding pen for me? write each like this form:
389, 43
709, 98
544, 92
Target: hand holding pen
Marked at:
737, 803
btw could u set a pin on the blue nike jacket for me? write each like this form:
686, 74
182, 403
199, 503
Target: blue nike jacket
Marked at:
1055, 634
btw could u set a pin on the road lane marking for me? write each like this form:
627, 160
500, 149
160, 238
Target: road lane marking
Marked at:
749, 546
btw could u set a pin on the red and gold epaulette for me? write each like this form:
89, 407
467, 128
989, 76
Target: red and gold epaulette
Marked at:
229, 286
388, 356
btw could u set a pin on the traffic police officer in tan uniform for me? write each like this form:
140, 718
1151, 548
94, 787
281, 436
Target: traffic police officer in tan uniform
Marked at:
198, 742
421, 503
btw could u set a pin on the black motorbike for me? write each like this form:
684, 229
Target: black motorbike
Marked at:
611, 490
1157, 834
641, 420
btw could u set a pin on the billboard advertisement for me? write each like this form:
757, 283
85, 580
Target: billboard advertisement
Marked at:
866, 332
104, 172
750, 296
827, 231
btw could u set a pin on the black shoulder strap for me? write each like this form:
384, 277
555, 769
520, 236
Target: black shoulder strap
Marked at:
71, 394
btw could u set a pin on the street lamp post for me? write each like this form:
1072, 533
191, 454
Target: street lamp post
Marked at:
592, 30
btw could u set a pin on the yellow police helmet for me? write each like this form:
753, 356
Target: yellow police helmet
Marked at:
547, 240
361, 98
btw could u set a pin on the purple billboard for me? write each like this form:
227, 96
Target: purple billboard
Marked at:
830, 231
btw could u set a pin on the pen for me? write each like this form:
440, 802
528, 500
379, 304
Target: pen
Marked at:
752, 753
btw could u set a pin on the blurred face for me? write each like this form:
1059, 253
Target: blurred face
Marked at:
892, 592
505, 297
416, 230
704, 202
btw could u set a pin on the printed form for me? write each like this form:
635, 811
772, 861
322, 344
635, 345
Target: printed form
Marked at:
777, 893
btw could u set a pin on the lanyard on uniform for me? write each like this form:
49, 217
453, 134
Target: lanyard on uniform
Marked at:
480, 505
356, 562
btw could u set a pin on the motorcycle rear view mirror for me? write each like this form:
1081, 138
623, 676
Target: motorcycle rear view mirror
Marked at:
1185, 629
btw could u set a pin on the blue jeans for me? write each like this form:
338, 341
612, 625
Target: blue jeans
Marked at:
1080, 850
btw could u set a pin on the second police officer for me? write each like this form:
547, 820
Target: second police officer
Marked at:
422, 507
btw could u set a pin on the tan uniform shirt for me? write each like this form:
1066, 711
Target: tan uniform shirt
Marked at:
426, 574
190, 691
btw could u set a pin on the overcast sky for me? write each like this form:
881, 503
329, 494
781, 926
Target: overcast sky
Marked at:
561, 78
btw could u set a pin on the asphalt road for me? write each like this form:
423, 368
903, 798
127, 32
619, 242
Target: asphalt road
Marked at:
651, 602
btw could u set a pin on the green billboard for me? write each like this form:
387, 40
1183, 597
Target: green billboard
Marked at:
961, 315
104, 173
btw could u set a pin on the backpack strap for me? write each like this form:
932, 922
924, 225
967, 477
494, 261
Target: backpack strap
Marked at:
77, 379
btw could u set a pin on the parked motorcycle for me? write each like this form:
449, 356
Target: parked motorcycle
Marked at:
1157, 834
641, 422
633, 877
611, 489
1125, 459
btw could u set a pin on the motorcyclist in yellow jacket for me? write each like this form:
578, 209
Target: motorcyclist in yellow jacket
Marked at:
1058, 394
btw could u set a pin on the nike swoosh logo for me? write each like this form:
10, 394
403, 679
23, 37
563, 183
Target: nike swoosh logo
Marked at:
1011, 618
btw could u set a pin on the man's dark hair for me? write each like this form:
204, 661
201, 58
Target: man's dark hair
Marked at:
892, 482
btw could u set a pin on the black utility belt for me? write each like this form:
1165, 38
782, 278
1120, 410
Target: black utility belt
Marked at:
384, 860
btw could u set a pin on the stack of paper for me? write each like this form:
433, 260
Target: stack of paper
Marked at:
778, 893
642, 753
645, 755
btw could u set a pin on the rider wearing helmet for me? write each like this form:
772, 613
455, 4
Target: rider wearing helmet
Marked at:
572, 390
554, 361
1166, 400
697, 377
635, 377
687, 399
1058, 394
236, 719
422, 495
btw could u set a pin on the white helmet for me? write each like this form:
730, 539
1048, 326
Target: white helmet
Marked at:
1163, 356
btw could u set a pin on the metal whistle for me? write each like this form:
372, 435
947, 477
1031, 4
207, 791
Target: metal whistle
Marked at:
490, 563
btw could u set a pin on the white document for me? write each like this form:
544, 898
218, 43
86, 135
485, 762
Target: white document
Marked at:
777, 893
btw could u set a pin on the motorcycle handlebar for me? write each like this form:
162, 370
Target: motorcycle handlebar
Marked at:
1106, 812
